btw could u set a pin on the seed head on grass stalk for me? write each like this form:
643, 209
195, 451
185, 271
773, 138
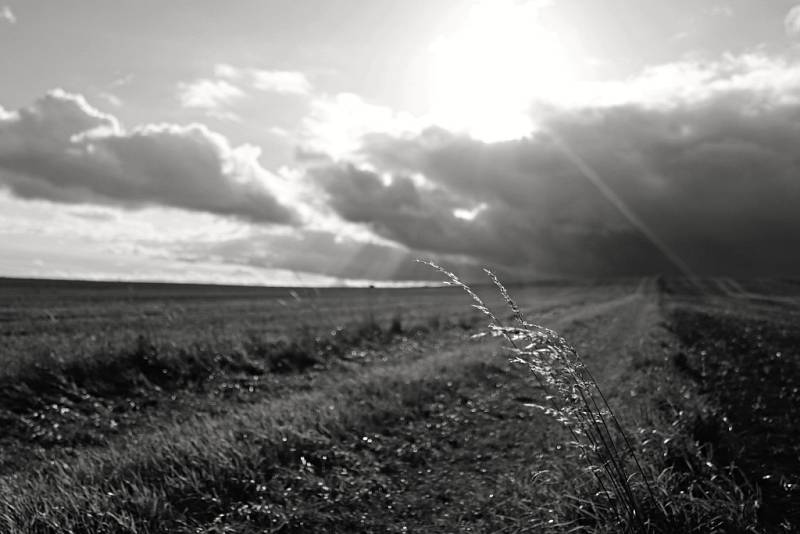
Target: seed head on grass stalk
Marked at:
575, 400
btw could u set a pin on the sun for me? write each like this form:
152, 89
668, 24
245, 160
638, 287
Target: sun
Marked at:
485, 76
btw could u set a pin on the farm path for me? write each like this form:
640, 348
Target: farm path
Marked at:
612, 333
476, 448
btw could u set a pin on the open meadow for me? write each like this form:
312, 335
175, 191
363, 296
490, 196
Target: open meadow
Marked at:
177, 408
253, 259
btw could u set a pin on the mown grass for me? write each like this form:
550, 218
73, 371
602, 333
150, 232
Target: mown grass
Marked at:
75, 401
289, 463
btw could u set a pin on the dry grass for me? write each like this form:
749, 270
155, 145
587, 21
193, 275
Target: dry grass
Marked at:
402, 424
629, 496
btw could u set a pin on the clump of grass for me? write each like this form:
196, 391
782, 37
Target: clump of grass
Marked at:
625, 496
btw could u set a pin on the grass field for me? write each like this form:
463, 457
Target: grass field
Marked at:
155, 408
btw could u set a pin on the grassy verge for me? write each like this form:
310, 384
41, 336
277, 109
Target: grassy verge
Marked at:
312, 462
84, 401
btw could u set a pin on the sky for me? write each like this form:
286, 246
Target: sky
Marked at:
329, 142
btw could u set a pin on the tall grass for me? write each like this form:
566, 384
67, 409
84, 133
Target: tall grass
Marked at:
625, 496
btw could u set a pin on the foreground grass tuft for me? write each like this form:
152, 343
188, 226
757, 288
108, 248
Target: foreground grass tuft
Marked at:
629, 495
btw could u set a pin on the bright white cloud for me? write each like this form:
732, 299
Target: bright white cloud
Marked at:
337, 124
689, 81
223, 70
281, 82
275, 81
208, 94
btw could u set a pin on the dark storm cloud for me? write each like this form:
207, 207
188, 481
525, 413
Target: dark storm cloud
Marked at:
62, 149
716, 180
398, 210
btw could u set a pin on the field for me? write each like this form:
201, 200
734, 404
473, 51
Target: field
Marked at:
154, 408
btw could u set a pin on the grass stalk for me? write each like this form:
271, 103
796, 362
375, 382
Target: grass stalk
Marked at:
576, 401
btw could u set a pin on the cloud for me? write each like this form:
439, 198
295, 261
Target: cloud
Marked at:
690, 81
708, 176
62, 149
230, 85
6, 15
275, 81
792, 21
208, 94
523, 233
281, 82
122, 81
111, 98
336, 124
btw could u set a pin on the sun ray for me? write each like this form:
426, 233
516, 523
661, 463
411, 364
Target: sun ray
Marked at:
596, 180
